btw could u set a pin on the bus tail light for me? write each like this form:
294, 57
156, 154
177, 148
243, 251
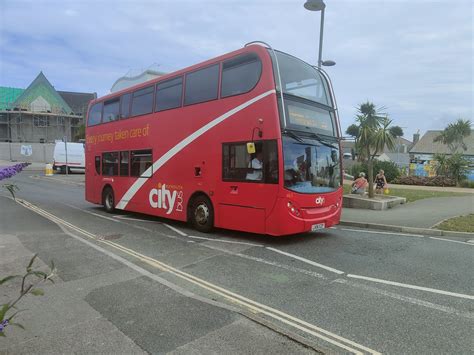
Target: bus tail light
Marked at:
293, 209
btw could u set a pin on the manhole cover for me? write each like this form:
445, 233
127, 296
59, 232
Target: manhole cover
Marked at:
111, 237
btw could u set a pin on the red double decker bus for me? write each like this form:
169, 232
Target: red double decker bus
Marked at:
247, 141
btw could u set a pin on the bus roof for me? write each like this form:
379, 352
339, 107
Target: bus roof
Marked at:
250, 48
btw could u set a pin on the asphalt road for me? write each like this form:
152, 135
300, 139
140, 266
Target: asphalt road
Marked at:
158, 286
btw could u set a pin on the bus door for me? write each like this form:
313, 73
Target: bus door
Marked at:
93, 177
249, 185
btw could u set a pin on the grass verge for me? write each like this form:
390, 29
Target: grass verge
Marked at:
458, 224
414, 195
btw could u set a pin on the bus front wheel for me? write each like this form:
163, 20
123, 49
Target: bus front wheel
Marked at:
202, 214
108, 200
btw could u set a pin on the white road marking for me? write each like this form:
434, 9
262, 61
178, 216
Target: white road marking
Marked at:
452, 241
254, 306
380, 232
414, 287
92, 213
175, 230
412, 300
135, 219
225, 241
328, 268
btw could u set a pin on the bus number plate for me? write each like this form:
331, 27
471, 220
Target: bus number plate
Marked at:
318, 226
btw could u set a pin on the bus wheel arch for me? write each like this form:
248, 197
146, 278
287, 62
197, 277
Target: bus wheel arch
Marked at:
200, 212
108, 198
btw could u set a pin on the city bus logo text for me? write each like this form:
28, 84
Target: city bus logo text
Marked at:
166, 198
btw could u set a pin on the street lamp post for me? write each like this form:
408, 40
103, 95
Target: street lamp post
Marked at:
319, 5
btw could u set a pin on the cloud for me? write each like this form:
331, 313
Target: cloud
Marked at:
414, 57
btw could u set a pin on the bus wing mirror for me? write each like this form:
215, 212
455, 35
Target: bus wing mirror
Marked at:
251, 148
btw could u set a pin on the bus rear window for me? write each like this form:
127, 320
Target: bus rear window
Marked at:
95, 115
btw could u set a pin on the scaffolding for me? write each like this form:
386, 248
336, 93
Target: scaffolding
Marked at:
38, 123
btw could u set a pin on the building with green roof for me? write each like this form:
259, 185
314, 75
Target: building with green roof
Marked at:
40, 113
8, 96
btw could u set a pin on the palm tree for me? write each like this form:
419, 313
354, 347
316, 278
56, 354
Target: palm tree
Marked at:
374, 135
453, 135
441, 163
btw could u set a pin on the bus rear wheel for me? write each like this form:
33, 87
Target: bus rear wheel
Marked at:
202, 214
108, 199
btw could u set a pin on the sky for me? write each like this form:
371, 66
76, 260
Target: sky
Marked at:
413, 58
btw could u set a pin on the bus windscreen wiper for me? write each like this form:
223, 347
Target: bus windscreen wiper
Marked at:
321, 140
294, 136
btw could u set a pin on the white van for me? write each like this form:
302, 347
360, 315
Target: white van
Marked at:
75, 157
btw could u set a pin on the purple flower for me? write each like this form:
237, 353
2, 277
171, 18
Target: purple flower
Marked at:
3, 325
10, 171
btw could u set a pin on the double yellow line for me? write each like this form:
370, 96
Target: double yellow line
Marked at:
232, 297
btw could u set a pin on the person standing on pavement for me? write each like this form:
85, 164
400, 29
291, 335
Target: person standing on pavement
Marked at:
380, 182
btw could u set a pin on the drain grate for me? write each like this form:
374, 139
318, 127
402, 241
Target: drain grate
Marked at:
110, 237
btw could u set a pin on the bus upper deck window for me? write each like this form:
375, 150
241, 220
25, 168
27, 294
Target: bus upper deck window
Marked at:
240, 74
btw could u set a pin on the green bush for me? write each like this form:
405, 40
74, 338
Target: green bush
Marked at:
425, 181
467, 183
390, 168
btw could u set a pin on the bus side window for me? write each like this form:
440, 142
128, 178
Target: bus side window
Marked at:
270, 162
201, 85
240, 74
111, 110
125, 106
97, 164
95, 115
124, 163
169, 94
238, 165
110, 164
142, 101
140, 160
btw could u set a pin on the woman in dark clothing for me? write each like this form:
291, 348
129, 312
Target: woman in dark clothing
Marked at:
380, 182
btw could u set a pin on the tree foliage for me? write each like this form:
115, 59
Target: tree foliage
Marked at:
373, 135
396, 131
457, 166
454, 134
81, 133
454, 166
353, 130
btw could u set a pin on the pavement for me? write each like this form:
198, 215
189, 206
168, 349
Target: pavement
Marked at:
425, 213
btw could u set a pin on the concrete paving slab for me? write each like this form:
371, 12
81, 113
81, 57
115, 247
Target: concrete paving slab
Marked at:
156, 317
96, 336
228, 340
74, 260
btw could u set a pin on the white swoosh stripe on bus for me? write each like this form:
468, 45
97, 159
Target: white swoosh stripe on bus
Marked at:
178, 147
